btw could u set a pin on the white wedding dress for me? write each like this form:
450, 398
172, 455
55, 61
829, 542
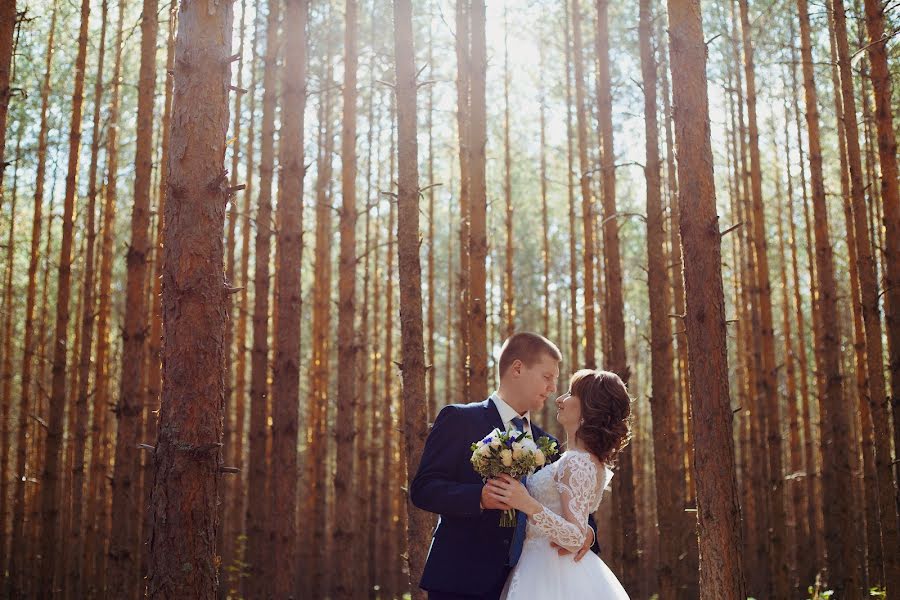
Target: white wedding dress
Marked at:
573, 481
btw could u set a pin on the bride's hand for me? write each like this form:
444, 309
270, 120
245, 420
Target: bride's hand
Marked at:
516, 495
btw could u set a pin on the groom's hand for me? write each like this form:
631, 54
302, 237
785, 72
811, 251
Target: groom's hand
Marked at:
581, 552
491, 498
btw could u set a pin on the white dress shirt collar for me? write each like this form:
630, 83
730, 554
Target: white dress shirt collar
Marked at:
507, 412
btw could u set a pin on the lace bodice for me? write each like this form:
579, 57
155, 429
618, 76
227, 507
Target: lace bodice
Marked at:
569, 489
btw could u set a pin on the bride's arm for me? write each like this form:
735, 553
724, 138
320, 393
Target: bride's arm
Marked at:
576, 484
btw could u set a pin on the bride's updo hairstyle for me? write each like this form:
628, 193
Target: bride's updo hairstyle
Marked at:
605, 411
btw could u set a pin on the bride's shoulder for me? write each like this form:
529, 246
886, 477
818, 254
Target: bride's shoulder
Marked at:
576, 459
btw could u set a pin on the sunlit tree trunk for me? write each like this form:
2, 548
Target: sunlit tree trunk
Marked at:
259, 558
50, 480
890, 199
890, 535
16, 582
721, 572
587, 202
463, 77
478, 248
8, 23
188, 452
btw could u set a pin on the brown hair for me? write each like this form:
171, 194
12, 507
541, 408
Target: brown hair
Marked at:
527, 347
605, 412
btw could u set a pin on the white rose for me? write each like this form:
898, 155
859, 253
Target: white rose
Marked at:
529, 444
484, 450
539, 458
517, 453
495, 443
507, 457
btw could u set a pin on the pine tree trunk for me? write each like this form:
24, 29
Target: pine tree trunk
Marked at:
286, 372
50, 480
415, 422
509, 305
17, 582
125, 490
721, 573
843, 574
6, 365
188, 453
478, 247
570, 174
667, 445
347, 342
75, 572
463, 92
8, 23
890, 198
779, 577
259, 558
545, 217
431, 359
587, 202
871, 316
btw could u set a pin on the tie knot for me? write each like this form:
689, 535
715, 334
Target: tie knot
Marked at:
519, 423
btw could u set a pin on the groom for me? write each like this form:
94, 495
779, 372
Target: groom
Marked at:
471, 555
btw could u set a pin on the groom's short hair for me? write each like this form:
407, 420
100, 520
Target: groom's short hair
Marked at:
527, 347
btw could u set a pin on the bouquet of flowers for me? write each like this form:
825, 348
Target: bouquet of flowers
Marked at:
511, 452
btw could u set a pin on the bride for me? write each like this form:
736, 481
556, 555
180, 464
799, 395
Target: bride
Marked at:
595, 414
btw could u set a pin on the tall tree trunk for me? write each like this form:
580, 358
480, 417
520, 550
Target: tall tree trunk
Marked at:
509, 305
6, 352
347, 342
587, 202
154, 347
779, 577
286, 375
16, 583
124, 574
188, 452
415, 423
477, 140
8, 23
545, 216
890, 198
259, 559
570, 185
463, 92
842, 567
616, 357
887, 496
667, 444
75, 572
50, 480
721, 572
431, 373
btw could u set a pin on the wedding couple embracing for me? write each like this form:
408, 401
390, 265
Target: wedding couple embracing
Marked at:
547, 555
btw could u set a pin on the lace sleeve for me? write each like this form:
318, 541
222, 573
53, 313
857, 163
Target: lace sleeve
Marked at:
577, 483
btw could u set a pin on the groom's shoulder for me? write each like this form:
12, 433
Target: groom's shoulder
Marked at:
459, 411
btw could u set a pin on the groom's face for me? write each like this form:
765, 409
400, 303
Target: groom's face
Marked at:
538, 382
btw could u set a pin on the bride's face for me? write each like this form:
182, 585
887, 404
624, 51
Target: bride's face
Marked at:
568, 411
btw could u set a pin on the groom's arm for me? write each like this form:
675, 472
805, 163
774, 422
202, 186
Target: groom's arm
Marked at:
434, 487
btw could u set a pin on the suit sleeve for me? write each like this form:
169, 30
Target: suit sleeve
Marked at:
435, 488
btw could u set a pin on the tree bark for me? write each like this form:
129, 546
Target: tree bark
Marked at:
890, 198
286, 372
188, 452
16, 583
843, 574
721, 572
124, 570
259, 559
8, 23
75, 572
478, 247
878, 401
50, 480
415, 423
587, 202
463, 92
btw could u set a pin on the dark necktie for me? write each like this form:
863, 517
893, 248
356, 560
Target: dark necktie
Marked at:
515, 546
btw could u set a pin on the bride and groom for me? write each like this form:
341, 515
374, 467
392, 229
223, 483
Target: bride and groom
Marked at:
547, 554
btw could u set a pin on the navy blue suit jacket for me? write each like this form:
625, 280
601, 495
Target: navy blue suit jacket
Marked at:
469, 550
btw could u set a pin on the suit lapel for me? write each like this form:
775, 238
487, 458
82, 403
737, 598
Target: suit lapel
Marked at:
492, 415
